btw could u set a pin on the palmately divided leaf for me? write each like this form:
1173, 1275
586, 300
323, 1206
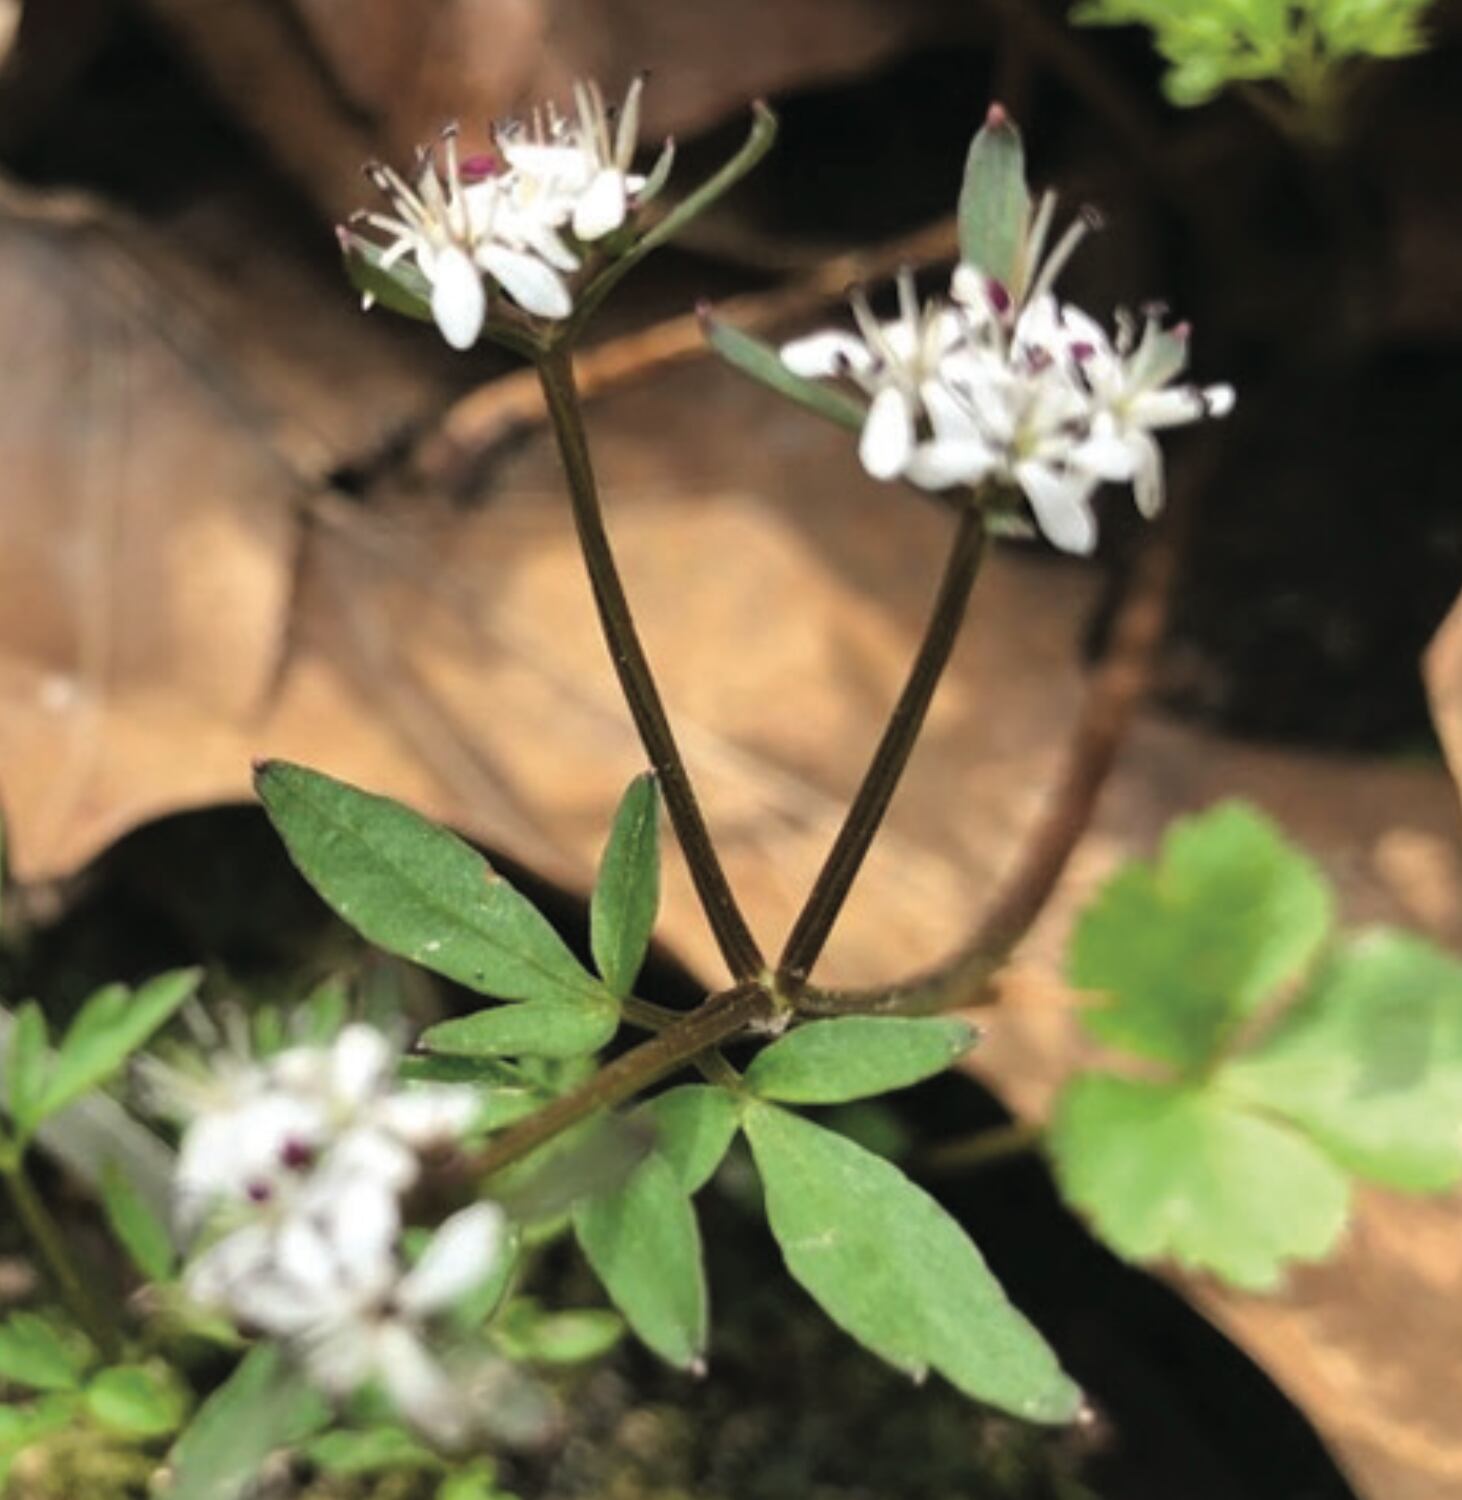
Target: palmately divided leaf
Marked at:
142, 1401
695, 1125
1167, 1171
994, 201
1369, 1063
419, 891
1186, 950
535, 1029
855, 1057
645, 1246
894, 1270
28, 1063
627, 894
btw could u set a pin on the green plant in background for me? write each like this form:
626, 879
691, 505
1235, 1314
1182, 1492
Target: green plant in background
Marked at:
1270, 1061
1303, 46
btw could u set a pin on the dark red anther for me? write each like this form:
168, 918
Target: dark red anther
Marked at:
481, 165
259, 1192
296, 1156
996, 117
1083, 351
999, 297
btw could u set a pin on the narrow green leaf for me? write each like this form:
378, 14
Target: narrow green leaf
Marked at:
694, 1125
893, 1269
345, 1453
400, 288
1369, 1063
263, 1406
540, 1029
764, 364
138, 1229
418, 891
528, 1335
994, 202
1170, 1171
1187, 949
141, 1401
627, 893
35, 1355
28, 1064
644, 1244
110, 1027
853, 1057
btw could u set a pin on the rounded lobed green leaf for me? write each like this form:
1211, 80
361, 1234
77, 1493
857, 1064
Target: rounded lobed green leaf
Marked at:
419, 891
1188, 948
1369, 1062
894, 1270
36, 1355
994, 201
627, 894
695, 1125
1185, 1173
854, 1057
372, 1450
28, 1064
644, 1244
537, 1029
142, 1401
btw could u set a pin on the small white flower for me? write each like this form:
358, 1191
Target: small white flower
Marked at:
1133, 397
574, 172
895, 363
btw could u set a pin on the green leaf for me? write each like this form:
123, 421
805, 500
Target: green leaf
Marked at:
28, 1064
263, 1406
533, 1030
400, 288
627, 893
112, 1025
478, 1481
831, 1062
595, 1158
138, 1229
764, 364
694, 1125
1188, 949
528, 1335
418, 891
644, 1244
344, 1453
894, 1270
994, 202
141, 1401
35, 1355
23, 1426
1166, 1170
1369, 1063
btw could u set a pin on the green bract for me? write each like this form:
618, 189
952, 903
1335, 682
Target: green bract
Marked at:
1290, 1071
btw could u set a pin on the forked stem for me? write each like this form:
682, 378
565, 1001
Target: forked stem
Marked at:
738, 946
845, 859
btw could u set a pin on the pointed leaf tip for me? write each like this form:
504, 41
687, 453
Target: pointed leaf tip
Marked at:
996, 117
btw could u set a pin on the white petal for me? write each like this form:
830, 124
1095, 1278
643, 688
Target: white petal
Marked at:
361, 1058
832, 352
536, 287
342, 1358
1148, 489
941, 464
429, 1116
888, 434
458, 298
419, 1388
372, 1153
1220, 399
601, 208
1173, 407
1061, 501
1108, 453
460, 1257
211, 1279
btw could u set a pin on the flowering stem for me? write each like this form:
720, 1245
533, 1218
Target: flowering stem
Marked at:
74, 1290
721, 1017
810, 932
738, 946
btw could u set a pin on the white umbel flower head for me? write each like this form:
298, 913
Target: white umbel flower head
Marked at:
897, 364
574, 171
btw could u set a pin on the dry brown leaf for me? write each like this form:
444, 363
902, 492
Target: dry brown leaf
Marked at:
340, 80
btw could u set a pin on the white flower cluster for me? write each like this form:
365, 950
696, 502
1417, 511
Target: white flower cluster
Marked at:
291, 1173
1009, 385
521, 215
